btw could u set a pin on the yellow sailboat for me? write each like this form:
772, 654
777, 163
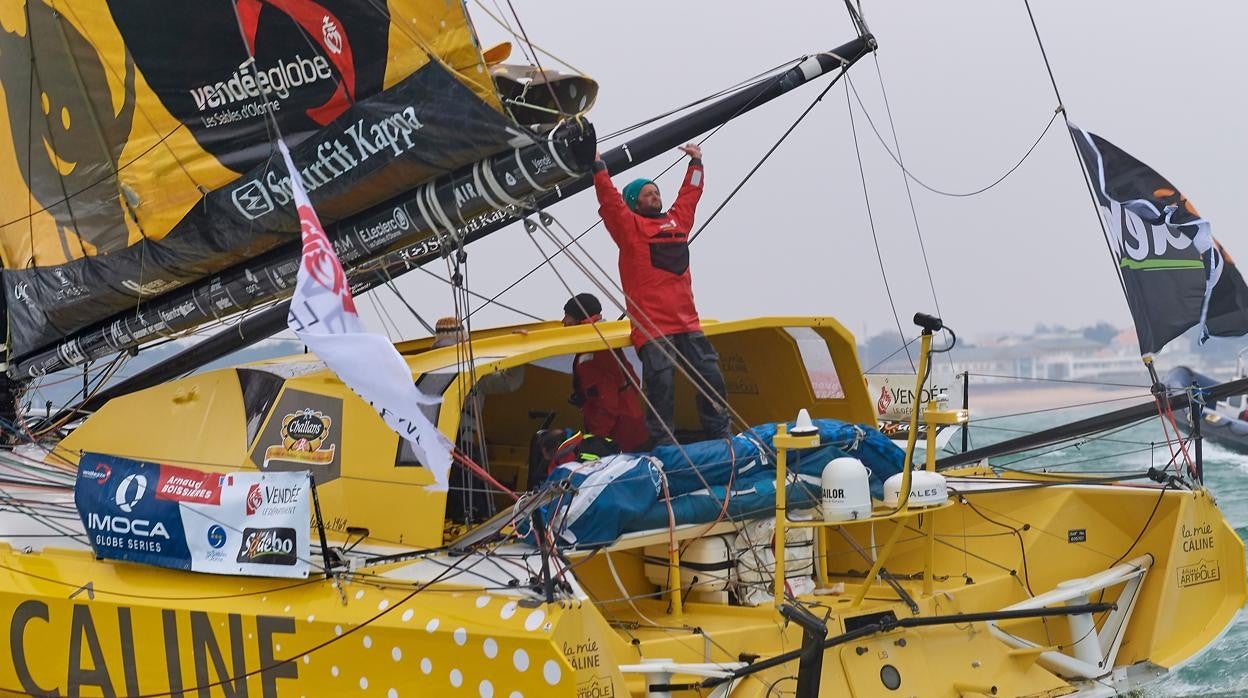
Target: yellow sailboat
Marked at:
152, 184
942, 600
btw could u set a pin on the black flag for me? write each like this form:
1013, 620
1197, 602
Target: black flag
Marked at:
1176, 275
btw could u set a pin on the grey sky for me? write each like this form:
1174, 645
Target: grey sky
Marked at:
969, 94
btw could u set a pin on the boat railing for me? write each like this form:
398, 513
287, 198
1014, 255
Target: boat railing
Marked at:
898, 514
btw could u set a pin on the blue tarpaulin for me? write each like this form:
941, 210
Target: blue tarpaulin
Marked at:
623, 493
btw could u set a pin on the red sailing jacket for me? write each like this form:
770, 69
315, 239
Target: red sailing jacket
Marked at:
654, 257
610, 405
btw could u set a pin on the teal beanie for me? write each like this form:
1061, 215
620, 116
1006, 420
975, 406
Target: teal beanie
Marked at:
633, 190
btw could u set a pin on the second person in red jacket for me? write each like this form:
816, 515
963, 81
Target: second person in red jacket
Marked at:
654, 271
604, 385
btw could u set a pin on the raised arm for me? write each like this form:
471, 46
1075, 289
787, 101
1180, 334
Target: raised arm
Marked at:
691, 189
611, 206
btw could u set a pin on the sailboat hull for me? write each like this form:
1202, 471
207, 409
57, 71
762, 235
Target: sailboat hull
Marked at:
413, 629
480, 622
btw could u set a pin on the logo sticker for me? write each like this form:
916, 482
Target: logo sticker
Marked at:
130, 492
254, 499
268, 546
253, 200
100, 473
302, 432
271, 500
217, 536
1197, 573
185, 485
304, 439
885, 400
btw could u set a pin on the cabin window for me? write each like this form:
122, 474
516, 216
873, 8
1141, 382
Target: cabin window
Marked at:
820, 369
433, 382
260, 390
429, 384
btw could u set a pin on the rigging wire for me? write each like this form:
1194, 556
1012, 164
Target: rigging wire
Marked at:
1063, 407
384, 317
914, 214
585, 232
896, 351
526, 45
395, 290
742, 85
537, 61
488, 301
912, 177
871, 220
1059, 380
770, 151
1083, 173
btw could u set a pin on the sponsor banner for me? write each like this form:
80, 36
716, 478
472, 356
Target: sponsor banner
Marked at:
894, 398
303, 433
323, 316
1174, 272
243, 523
303, 439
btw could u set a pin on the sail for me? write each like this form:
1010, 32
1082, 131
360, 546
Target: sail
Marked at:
1175, 274
135, 140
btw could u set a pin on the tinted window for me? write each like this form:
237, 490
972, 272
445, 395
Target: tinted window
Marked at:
260, 391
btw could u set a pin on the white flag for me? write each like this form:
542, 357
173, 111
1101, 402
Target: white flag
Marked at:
323, 315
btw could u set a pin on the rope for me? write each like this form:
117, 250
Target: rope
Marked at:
537, 61
532, 46
1061, 109
488, 301
914, 214
1058, 380
801, 117
862, 173
480, 472
744, 84
911, 176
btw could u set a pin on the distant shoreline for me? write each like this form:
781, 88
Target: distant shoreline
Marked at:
1007, 398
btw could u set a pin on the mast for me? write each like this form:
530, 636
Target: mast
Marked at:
268, 322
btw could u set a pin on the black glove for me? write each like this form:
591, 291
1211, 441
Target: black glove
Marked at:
581, 140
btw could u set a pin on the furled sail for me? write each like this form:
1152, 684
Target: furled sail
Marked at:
135, 139
1175, 274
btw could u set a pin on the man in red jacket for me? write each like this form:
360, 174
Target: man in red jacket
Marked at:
654, 270
604, 385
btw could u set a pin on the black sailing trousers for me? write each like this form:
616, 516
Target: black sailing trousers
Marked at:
658, 367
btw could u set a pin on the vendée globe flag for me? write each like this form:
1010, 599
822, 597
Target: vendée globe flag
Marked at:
323, 316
